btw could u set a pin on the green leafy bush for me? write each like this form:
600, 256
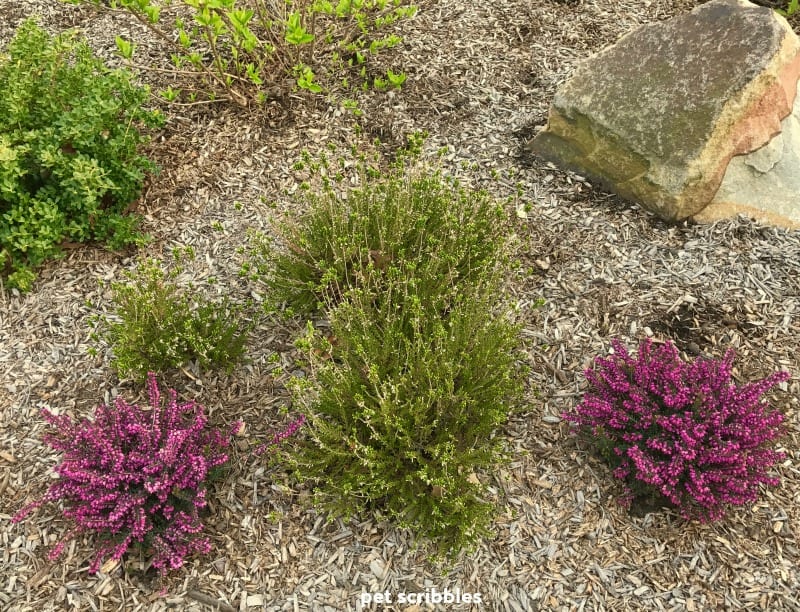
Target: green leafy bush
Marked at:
442, 233
161, 326
249, 50
69, 167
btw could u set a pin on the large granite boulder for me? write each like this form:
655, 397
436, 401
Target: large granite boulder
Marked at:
658, 116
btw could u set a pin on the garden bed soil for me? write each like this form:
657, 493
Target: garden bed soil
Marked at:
480, 79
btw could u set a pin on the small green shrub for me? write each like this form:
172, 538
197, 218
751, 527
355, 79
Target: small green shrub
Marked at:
69, 167
161, 326
403, 414
442, 233
250, 50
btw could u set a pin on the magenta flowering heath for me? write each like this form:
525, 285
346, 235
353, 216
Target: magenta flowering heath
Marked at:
681, 430
136, 476
279, 437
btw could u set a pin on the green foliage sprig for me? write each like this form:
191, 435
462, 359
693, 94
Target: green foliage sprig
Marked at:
69, 167
792, 7
249, 50
161, 326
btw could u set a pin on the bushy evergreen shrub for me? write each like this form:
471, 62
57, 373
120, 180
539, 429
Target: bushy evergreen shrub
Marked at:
440, 232
405, 412
159, 325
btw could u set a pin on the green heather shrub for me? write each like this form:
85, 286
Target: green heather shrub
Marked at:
161, 326
69, 167
420, 364
443, 234
403, 414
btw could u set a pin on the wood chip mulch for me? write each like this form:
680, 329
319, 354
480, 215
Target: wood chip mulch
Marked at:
480, 79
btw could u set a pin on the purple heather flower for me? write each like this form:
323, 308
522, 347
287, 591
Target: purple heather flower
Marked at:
684, 429
135, 476
279, 437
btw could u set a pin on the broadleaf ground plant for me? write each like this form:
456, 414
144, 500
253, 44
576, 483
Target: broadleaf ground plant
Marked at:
683, 431
136, 477
419, 366
161, 325
69, 167
249, 50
